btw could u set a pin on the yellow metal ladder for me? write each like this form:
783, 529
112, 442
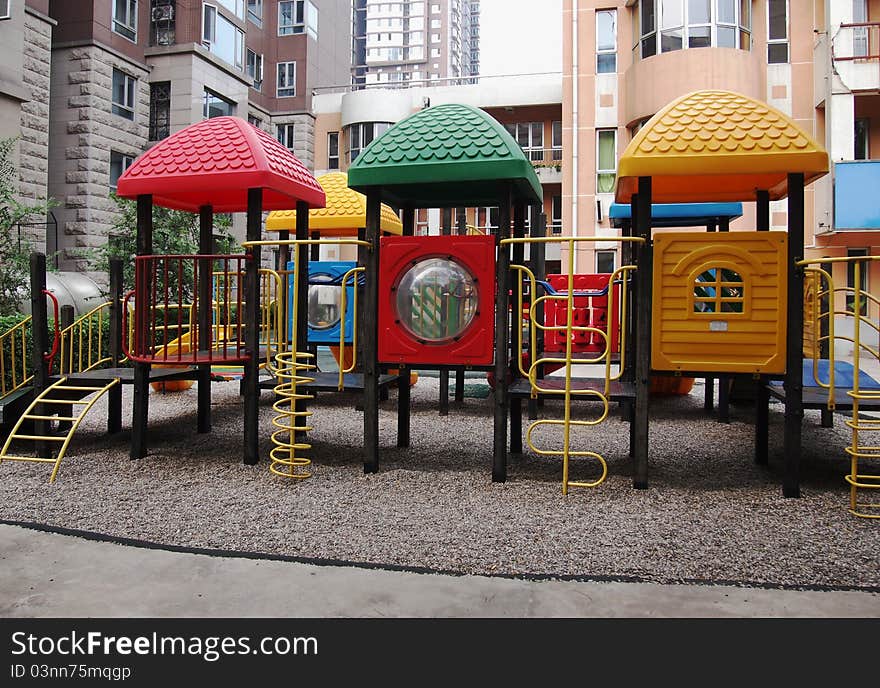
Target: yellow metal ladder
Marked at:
57, 394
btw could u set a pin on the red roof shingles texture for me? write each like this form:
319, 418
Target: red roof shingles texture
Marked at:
215, 162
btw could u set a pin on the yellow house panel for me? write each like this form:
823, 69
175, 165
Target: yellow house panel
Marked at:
719, 302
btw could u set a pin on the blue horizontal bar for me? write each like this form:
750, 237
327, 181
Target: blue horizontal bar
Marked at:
681, 214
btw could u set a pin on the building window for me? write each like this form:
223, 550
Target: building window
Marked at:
125, 18
333, 150
605, 261
254, 69
777, 31
216, 105
124, 88
234, 6
862, 131
606, 160
606, 41
556, 139
666, 25
860, 33
255, 11
223, 38
285, 134
530, 137
5, 9
361, 135
160, 110
286, 80
297, 16
556, 215
255, 121
718, 290
119, 162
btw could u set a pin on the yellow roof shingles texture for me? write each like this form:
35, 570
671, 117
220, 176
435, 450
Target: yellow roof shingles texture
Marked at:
718, 146
345, 212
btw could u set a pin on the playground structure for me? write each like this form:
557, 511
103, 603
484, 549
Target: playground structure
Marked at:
684, 303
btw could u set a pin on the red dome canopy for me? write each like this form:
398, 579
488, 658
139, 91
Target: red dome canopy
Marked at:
215, 162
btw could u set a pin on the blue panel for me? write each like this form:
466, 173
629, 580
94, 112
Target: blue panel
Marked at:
856, 199
680, 214
326, 271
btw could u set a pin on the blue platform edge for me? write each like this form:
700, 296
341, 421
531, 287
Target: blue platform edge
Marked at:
843, 376
679, 214
334, 270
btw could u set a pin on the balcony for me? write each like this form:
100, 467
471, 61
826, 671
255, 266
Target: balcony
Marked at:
855, 52
547, 163
855, 195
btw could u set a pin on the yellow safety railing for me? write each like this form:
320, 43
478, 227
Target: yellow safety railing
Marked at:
864, 472
291, 369
14, 361
83, 345
568, 392
343, 369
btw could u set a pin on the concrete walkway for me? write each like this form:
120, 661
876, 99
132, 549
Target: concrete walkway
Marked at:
51, 575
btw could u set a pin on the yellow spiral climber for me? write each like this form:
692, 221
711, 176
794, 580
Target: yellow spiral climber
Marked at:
291, 422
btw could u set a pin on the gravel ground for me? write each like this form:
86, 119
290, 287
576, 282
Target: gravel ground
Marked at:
710, 513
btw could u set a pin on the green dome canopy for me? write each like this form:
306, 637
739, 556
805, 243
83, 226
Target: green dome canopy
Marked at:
446, 156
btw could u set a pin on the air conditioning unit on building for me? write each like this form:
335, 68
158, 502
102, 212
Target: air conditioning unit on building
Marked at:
163, 13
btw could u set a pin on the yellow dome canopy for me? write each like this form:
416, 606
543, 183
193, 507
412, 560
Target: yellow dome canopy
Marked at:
714, 146
344, 214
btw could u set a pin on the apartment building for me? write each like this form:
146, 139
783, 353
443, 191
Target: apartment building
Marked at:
815, 60
529, 106
414, 41
89, 86
26, 35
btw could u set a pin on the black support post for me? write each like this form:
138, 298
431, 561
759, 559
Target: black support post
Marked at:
114, 394
762, 210
537, 260
502, 342
252, 330
141, 393
794, 406
403, 389
643, 342
40, 344
301, 274
371, 335
204, 267
445, 230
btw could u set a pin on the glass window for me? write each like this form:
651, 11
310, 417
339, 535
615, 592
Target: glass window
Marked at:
606, 160
255, 121
223, 38
530, 137
359, 136
124, 88
605, 261
719, 290
860, 33
119, 162
5, 9
777, 31
286, 133
333, 150
160, 110
234, 6
297, 16
216, 105
286, 80
255, 11
125, 18
648, 21
672, 25
666, 25
556, 215
556, 139
254, 69
606, 41
862, 137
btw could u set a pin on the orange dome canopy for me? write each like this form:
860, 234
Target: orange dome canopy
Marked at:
715, 146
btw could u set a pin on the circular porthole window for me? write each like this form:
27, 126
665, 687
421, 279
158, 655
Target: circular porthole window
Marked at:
436, 300
325, 305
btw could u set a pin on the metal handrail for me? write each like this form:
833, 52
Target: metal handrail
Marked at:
16, 368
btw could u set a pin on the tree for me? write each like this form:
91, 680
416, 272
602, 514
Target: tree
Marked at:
175, 232
15, 249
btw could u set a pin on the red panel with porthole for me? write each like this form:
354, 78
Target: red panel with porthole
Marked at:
437, 300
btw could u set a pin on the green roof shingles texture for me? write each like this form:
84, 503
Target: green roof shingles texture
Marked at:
442, 145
